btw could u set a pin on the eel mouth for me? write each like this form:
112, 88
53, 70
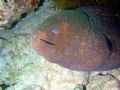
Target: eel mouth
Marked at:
47, 42
40, 36
43, 40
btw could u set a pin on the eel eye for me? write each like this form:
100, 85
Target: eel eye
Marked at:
50, 43
55, 30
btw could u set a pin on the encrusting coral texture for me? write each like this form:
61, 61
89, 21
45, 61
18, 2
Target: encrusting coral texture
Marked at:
11, 11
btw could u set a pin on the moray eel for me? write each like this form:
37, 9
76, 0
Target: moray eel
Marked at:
84, 39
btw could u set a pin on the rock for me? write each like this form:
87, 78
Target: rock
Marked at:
23, 69
13, 10
105, 82
80, 87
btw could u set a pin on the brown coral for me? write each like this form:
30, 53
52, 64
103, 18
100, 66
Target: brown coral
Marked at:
13, 9
65, 4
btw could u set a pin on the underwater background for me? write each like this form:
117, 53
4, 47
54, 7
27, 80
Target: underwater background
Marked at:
22, 68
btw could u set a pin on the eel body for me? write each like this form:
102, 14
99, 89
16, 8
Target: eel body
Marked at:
84, 39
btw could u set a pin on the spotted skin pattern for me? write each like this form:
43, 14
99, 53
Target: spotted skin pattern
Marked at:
84, 39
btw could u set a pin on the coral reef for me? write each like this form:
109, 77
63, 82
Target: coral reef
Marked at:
65, 4
11, 11
102, 82
21, 68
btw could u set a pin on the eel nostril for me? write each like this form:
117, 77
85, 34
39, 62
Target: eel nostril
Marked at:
34, 37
